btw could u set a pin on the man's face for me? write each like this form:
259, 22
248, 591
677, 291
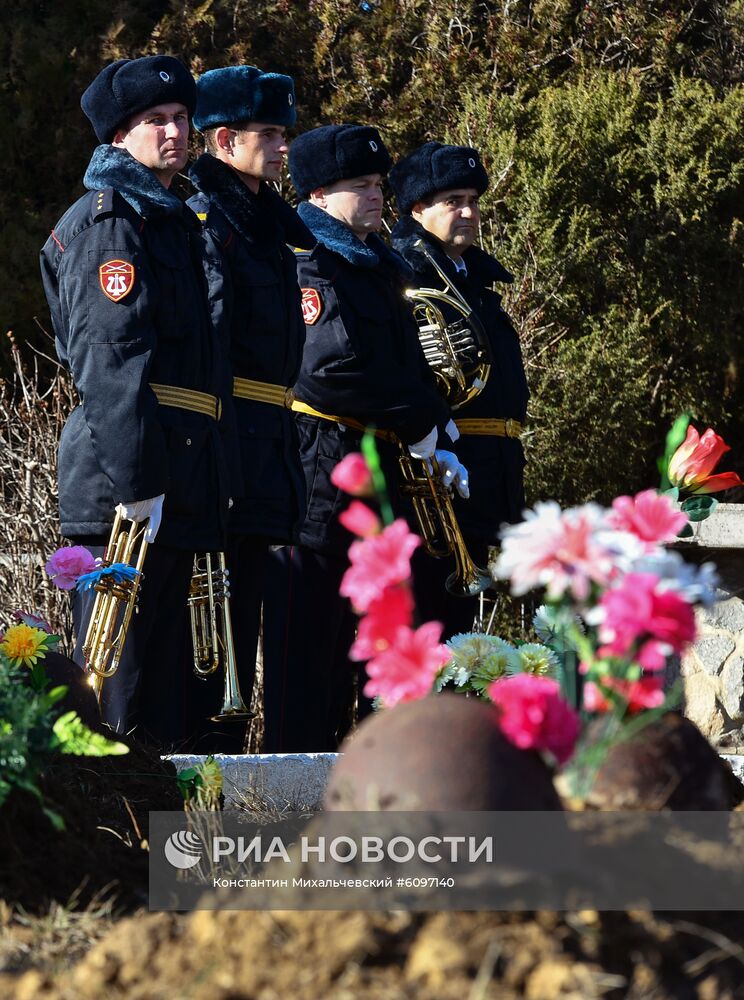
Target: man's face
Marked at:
356, 202
453, 217
158, 138
258, 151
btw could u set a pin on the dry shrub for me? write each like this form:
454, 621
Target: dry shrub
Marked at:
33, 408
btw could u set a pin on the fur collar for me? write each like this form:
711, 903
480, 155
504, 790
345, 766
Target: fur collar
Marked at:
338, 238
482, 267
263, 219
113, 167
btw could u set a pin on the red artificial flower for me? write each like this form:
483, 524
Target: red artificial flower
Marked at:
534, 715
352, 475
378, 562
406, 670
360, 520
647, 692
385, 615
692, 464
645, 622
648, 515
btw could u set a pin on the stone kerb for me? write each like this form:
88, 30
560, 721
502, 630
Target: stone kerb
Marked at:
712, 670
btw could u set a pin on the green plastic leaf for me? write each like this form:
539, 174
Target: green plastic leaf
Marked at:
700, 507
673, 492
372, 458
188, 781
674, 439
686, 532
56, 694
74, 737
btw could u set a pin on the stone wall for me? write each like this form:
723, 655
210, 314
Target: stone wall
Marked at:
712, 671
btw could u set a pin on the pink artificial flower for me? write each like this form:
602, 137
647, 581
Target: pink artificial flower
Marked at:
534, 715
352, 475
407, 668
67, 564
649, 516
647, 692
691, 465
360, 520
644, 622
34, 621
378, 562
560, 550
385, 615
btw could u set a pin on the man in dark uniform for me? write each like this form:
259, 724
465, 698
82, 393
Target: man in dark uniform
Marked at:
362, 366
137, 307
243, 114
437, 188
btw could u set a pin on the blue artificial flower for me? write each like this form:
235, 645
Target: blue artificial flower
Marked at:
116, 572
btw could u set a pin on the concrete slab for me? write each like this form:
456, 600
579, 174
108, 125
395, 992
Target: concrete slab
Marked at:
281, 782
293, 782
723, 530
736, 760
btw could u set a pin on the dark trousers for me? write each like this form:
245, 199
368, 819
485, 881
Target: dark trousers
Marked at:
433, 601
308, 630
154, 690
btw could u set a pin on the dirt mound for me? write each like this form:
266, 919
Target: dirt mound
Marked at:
104, 803
384, 956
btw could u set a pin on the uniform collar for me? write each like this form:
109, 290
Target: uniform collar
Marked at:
263, 218
338, 238
113, 167
482, 267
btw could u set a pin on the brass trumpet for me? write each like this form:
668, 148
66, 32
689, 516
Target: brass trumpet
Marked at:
440, 531
115, 603
212, 633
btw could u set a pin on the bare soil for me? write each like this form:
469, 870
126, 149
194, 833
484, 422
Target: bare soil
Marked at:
73, 926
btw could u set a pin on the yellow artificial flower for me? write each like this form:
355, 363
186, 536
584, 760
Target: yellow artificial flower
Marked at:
23, 645
210, 773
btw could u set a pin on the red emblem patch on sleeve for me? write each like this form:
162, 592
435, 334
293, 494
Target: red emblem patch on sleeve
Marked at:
312, 306
116, 278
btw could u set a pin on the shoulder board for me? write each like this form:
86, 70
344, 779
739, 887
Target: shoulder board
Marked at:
103, 202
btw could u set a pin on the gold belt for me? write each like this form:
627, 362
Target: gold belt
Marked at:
188, 399
262, 392
299, 407
493, 427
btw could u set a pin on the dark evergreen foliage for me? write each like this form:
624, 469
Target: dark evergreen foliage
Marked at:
612, 134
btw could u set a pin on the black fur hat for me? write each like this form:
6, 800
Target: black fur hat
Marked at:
244, 94
435, 167
130, 85
336, 153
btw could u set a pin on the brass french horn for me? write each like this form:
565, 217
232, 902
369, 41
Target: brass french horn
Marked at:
460, 356
457, 351
212, 633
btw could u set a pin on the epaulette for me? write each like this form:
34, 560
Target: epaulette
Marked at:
103, 203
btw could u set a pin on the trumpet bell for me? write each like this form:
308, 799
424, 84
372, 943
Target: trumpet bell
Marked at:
476, 582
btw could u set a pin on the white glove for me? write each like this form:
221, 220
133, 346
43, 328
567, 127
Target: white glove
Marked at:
452, 431
453, 473
425, 447
141, 510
